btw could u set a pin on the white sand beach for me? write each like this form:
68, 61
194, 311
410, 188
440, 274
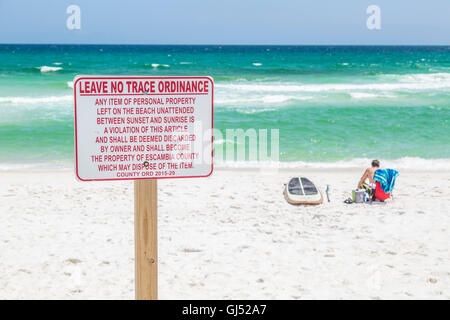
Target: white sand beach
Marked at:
231, 236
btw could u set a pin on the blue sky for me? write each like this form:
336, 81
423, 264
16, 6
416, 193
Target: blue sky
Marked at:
226, 22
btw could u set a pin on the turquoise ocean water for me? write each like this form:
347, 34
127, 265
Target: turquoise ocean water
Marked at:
330, 104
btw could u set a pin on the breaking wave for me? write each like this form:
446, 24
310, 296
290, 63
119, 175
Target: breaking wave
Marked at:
405, 163
48, 69
34, 100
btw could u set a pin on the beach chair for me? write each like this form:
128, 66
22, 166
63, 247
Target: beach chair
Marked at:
385, 181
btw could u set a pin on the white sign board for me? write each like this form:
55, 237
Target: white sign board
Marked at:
129, 128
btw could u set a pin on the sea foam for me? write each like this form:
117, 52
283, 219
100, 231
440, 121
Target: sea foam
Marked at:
157, 65
405, 163
48, 69
417, 82
32, 100
260, 99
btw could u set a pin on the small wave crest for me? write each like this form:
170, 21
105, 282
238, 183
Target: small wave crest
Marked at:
160, 66
32, 100
48, 69
223, 141
414, 82
264, 99
406, 163
366, 95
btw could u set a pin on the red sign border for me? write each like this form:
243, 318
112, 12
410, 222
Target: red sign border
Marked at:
142, 77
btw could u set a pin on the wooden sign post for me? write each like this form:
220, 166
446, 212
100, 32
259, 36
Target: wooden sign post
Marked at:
146, 239
143, 129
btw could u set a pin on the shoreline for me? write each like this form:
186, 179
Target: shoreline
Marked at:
414, 164
47, 175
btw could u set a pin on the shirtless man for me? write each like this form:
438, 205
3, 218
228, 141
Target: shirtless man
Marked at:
368, 174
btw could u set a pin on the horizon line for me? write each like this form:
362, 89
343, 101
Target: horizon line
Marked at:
256, 45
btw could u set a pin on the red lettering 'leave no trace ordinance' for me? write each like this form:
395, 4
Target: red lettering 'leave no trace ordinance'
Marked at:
129, 128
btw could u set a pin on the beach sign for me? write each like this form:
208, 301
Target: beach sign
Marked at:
129, 128
143, 129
